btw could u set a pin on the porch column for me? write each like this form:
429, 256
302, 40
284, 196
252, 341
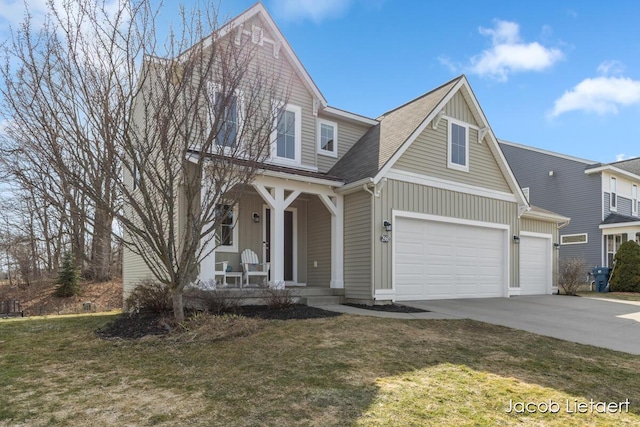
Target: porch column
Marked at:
335, 205
208, 263
337, 245
278, 203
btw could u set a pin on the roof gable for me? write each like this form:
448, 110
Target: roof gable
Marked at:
280, 44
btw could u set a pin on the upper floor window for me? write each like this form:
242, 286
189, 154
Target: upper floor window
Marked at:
286, 140
634, 199
613, 198
327, 138
225, 115
458, 147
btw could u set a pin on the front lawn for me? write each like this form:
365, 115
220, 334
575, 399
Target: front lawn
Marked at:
347, 370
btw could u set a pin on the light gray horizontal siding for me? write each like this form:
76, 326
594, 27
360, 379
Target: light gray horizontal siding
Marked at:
357, 245
436, 201
427, 155
624, 206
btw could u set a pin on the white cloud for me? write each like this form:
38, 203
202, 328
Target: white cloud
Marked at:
601, 95
621, 156
316, 10
510, 54
610, 67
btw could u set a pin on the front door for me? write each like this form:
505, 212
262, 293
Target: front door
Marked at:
288, 243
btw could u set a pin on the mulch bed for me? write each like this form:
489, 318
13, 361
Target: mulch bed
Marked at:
135, 326
389, 308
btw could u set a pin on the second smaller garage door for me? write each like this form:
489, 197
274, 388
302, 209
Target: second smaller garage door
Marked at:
535, 264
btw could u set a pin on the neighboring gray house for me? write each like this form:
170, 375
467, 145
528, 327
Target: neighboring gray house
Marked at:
582, 190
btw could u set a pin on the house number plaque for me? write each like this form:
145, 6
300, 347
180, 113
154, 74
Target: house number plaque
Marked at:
385, 239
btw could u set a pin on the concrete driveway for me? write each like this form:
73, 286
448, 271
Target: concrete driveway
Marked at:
598, 322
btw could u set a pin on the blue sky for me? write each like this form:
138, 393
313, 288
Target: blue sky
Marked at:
559, 75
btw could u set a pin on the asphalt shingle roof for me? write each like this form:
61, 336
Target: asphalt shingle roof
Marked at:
369, 155
616, 218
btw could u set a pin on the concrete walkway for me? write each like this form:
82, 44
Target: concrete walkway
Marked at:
606, 323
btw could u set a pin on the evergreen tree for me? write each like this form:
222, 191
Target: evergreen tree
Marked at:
626, 273
68, 280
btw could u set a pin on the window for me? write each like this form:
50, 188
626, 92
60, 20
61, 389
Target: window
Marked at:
634, 199
227, 235
574, 239
613, 244
327, 138
613, 195
458, 146
226, 115
136, 176
286, 141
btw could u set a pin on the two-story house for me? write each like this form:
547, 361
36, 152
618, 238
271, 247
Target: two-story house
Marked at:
601, 199
418, 203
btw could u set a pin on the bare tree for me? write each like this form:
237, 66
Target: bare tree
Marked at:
163, 137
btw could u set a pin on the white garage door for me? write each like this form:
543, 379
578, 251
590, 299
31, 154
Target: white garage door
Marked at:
437, 260
535, 265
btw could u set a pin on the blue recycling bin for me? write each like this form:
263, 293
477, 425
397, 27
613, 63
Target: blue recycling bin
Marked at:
601, 278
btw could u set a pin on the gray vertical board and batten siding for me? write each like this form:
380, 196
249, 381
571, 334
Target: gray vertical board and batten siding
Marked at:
318, 243
358, 246
459, 108
569, 192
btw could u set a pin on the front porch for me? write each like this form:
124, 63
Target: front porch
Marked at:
314, 296
617, 229
292, 223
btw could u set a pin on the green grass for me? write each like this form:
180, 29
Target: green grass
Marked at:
340, 371
625, 296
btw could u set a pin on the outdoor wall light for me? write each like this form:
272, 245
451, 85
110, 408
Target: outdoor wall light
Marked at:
256, 217
556, 245
516, 239
387, 225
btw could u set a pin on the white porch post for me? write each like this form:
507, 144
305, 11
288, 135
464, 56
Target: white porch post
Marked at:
208, 263
337, 245
335, 205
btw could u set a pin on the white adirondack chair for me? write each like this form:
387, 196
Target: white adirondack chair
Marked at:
252, 267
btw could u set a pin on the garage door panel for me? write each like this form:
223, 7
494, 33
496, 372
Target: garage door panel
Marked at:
455, 260
535, 265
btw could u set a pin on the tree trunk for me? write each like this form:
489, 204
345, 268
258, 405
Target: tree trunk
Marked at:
101, 246
178, 306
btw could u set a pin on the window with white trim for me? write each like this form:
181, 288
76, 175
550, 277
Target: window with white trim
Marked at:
327, 136
287, 138
458, 146
226, 114
227, 233
574, 239
634, 199
613, 194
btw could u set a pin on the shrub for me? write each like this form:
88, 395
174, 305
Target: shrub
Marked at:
68, 279
213, 301
572, 274
150, 296
626, 273
278, 299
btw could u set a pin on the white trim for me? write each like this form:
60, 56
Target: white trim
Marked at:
238, 22
351, 116
609, 168
586, 239
550, 249
450, 164
414, 178
543, 151
319, 149
496, 151
613, 190
297, 129
428, 217
546, 216
634, 199
620, 225
233, 248
466, 124
295, 237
